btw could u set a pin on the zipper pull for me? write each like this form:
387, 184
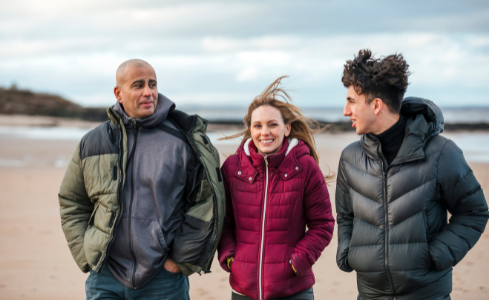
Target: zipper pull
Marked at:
266, 160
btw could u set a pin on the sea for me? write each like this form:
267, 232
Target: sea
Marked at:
474, 144
452, 115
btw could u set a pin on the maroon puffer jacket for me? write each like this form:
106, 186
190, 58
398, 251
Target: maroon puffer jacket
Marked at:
269, 202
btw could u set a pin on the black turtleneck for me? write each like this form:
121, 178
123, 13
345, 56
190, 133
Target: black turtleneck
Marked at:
391, 139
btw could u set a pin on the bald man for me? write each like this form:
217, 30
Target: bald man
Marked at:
142, 201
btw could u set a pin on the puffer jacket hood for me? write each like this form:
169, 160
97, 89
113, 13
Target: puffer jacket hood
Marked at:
423, 121
392, 219
269, 201
415, 106
252, 161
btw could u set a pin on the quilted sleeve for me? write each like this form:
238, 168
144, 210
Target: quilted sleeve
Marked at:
462, 195
319, 219
344, 217
227, 243
75, 209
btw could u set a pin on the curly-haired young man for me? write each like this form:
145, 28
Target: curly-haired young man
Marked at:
396, 185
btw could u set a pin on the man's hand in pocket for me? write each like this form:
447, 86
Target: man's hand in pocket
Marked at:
171, 266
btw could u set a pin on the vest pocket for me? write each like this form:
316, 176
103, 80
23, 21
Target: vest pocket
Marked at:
114, 172
103, 219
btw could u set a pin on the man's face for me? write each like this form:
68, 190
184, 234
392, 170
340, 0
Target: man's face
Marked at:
361, 114
137, 91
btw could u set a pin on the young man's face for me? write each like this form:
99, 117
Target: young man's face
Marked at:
138, 92
361, 114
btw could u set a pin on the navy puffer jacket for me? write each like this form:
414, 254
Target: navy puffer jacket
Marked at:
392, 220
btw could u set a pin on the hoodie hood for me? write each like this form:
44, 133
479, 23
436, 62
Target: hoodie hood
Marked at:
423, 121
163, 108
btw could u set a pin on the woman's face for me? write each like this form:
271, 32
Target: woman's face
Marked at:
268, 129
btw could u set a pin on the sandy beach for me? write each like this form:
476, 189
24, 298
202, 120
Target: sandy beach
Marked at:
35, 262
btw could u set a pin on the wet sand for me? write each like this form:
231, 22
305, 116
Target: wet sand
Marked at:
35, 262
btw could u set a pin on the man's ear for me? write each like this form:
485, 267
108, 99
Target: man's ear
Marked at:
377, 104
117, 93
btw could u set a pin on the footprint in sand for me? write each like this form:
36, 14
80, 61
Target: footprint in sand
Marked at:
202, 292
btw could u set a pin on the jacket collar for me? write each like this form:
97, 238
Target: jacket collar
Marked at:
284, 162
164, 107
423, 121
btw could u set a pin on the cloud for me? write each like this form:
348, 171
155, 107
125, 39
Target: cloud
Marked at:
130, 19
247, 74
228, 51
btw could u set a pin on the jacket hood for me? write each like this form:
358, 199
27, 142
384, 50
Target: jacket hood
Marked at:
414, 106
163, 108
424, 120
291, 143
284, 162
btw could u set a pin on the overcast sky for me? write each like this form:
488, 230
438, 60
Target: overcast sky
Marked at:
227, 52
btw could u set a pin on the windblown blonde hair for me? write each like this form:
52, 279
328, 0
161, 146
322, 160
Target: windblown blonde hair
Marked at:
275, 96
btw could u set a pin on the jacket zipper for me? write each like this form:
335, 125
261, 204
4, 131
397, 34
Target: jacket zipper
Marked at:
135, 131
386, 224
263, 228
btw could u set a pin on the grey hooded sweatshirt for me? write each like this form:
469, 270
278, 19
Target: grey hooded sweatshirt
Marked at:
153, 208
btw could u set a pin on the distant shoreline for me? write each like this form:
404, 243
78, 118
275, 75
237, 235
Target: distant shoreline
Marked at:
346, 126
214, 125
27, 108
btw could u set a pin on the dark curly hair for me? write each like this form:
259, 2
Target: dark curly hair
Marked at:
385, 78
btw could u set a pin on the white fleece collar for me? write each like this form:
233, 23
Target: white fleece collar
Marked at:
292, 143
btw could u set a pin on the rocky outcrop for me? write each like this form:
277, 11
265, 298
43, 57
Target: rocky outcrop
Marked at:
24, 102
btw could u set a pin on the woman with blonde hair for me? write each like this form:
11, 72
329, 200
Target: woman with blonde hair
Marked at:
274, 189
